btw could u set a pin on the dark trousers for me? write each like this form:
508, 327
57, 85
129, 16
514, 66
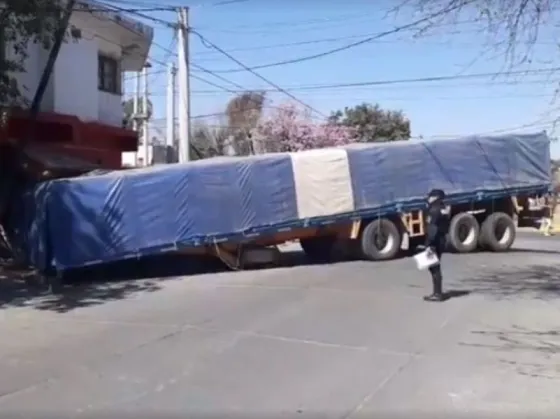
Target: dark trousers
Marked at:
435, 271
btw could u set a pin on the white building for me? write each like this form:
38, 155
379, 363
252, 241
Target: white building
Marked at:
158, 153
87, 80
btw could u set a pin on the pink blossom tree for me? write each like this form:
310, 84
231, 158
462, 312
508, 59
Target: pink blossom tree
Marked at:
290, 128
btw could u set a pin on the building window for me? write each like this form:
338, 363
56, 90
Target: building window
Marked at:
109, 75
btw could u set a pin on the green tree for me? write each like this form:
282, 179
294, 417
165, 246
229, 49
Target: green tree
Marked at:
243, 114
22, 23
209, 141
372, 123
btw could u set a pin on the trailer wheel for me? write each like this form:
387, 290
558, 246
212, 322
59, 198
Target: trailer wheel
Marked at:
463, 233
497, 232
380, 240
318, 249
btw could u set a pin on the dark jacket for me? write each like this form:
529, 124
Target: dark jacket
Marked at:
436, 226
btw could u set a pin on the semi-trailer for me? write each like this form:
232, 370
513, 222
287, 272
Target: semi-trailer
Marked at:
364, 199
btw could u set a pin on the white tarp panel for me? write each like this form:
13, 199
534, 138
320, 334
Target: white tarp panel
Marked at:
322, 182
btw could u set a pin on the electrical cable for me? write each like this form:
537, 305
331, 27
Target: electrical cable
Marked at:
206, 42
167, 55
431, 79
291, 24
85, 7
201, 56
222, 78
144, 16
194, 76
380, 35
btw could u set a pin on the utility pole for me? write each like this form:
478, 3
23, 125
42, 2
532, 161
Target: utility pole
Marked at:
184, 86
49, 67
136, 112
145, 117
170, 140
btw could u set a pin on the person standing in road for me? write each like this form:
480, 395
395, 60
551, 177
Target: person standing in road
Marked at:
437, 226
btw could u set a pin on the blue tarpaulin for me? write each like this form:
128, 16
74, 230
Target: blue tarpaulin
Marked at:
71, 223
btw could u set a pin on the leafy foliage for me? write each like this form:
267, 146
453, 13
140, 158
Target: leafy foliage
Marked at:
23, 22
247, 130
245, 110
243, 114
373, 123
290, 128
210, 141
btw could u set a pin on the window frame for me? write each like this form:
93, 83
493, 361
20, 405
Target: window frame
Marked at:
109, 79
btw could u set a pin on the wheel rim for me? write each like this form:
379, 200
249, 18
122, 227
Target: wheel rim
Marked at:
466, 234
502, 232
383, 241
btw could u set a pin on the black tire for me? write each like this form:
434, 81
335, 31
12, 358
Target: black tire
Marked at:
318, 249
463, 233
371, 249
497, 232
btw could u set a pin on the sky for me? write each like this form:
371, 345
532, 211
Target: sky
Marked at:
261, 32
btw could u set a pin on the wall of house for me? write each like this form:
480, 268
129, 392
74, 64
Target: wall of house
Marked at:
73, 87
109, 107
75, 79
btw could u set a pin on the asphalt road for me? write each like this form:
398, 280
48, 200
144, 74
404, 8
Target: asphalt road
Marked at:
347, 340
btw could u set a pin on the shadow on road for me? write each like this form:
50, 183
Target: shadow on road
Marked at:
450, 294
541, 345
117, 281
93, 286
532, 281
97, 285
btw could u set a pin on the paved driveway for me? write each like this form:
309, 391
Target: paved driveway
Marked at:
341, 341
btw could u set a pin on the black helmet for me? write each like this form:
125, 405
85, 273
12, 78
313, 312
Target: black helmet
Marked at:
436, 193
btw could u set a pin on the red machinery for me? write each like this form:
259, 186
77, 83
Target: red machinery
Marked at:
95, 144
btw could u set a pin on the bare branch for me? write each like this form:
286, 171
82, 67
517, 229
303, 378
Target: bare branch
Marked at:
512, 27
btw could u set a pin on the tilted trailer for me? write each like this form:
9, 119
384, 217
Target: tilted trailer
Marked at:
366, 199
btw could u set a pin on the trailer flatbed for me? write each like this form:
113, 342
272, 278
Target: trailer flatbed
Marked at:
368, 196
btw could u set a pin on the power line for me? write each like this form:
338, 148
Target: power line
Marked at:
86, 8
228, 2
168, 52
418, 80
342, 91
142, 15
278, 88
138, 3
222, 88
290, 24
536, 124
210, 115
204, 54
381, 89
365, 98
389, 83
379, 35
222, 78
317, 24
314, 42
167, 55
177, 4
